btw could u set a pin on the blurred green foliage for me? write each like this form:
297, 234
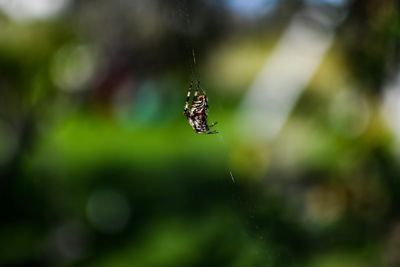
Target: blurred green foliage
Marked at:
98, 166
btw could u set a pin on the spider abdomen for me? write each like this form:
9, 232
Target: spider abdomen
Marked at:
196, 112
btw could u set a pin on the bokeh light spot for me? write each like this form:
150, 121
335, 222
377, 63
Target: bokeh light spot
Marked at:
73, 67
349, 114
251, 8
108, 210
30, 10
327, 2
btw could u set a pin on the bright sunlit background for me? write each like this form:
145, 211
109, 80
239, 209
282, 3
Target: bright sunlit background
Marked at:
99, 167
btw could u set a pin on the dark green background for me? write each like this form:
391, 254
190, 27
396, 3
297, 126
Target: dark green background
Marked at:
99, 167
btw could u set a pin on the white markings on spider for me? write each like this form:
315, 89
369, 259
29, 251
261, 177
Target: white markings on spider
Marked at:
196, 110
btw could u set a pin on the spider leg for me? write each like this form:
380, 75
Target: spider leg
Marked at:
212, 132
213, 124
196, 92
186, 108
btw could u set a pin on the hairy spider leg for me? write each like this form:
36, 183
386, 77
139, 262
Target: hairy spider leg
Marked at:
188, 98
196, 92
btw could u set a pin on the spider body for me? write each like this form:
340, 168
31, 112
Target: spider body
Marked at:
196, 111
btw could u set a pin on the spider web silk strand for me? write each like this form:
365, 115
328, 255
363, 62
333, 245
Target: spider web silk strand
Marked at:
222, 139
193, 66
189, 41
194, 57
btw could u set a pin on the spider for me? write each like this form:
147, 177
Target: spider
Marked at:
196, 112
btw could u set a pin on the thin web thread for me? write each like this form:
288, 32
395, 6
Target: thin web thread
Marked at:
193, 66
222, 139
189, 42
